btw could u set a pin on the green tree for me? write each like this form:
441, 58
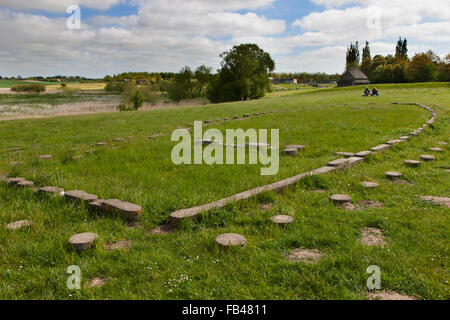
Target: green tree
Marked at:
366, 52
244, 74
353, 56
366, 60
444, 69
203, 75
132, 98
422, 69
137, 99
401, 50
182, 86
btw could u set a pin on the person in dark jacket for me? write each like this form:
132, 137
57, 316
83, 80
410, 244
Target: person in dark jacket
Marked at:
366, 92
374, 92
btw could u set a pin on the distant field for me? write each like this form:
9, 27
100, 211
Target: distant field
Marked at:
10, 83
187, 264
298, 86
79, 86
54, 85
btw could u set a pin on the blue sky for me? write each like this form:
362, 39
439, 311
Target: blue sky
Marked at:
164, 35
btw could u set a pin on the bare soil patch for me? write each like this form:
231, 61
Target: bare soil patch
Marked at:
96, 282
369, 204
163, 229
404, 182
123, 244
372, 237
438, 200
265, 206
304, 255
389, 295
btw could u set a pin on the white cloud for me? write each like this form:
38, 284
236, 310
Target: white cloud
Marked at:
57, 5
333, 3
165, 35
326, 59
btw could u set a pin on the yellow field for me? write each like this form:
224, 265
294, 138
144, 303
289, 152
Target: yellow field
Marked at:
79, 86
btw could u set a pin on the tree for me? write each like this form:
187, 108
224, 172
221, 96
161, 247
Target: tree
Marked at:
444, 69
353, 56
203, 75
421, 68
244, 74
401, 50
137, 99
366, 60
366, 52
182, 86
434, 57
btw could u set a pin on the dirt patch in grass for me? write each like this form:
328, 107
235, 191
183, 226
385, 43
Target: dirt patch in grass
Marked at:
95, 283
404, 182
369, 204
348, 206
123, 244
438, 200
372, 237
304, 255
388, 295
265, 206
164, 229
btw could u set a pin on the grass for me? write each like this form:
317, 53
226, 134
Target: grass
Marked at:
34, 261
10, 83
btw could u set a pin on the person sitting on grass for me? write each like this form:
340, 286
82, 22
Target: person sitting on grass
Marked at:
366, 92
374, 92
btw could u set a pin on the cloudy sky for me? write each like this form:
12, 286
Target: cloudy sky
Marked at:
164, 35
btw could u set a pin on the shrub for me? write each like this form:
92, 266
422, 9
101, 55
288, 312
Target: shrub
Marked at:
29, 87
124, 107
133, 98
151, 94
117, 86
137, 99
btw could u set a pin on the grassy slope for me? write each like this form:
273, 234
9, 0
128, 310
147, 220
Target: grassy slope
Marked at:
35, 260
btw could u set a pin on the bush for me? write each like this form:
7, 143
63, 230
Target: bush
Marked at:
133, 98
164, 85
137, 99
151, 94
31, 87
117, 86
124, 107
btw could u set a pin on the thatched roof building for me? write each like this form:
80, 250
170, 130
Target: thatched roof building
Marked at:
353, 77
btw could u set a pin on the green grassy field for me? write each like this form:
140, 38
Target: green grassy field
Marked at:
10, 83
187, 264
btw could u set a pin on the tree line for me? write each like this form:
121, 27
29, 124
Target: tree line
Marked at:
307, 77
244, 75
398, 68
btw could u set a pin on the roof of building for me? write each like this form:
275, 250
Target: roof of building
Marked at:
354, 74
